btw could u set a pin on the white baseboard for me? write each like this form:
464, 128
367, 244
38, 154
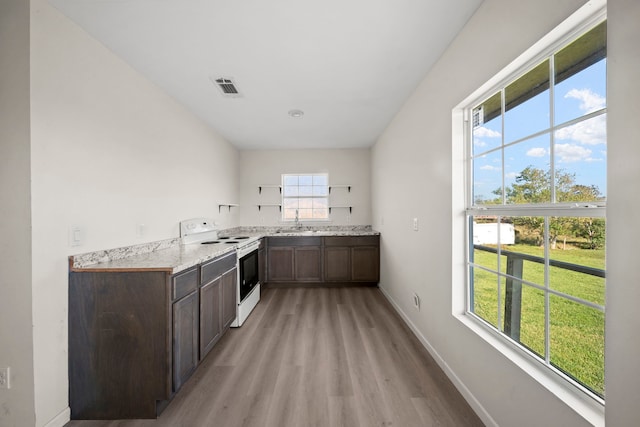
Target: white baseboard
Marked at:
61, 419
457, 382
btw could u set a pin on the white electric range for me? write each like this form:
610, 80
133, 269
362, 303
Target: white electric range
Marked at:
202, 231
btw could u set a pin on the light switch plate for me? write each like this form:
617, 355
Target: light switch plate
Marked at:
76, 236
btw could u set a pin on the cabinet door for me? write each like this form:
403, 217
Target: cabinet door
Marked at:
210, 316
337, 264
229, 297
365, 264
280, 264
308, 264
185, 338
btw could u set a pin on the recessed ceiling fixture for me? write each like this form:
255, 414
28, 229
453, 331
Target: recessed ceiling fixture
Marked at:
227, 86
296, 114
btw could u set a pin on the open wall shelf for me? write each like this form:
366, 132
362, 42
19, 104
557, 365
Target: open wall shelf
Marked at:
341, 207
226, 205
264, 205
347, 186
279, 187
260, 187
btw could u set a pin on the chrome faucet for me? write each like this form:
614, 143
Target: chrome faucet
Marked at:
298, 224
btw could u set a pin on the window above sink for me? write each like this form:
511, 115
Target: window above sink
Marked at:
305, 197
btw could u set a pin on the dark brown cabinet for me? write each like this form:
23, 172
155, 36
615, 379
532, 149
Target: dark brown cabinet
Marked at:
217, 300
337, 261
121, 341
185, 338
280, 263
294, 259
210, 319
352, 259
365, 264
324, 260
307, 264
135, 337
184, 296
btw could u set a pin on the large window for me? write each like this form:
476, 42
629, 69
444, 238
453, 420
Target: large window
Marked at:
305, 197
535, 206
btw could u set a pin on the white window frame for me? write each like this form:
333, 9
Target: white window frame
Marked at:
285, 197
581, 400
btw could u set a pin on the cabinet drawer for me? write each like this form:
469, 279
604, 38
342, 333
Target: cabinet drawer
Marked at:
217, 267
184, 283
295, 241
351, 240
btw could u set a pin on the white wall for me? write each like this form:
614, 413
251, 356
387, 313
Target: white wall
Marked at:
411, 165
109, 151
16, 336
622, 323
350, 166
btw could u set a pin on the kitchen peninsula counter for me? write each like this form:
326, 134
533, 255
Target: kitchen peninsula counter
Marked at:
142, 318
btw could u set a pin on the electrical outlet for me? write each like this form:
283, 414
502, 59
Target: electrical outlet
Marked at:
4, 378
416, 302
415, 224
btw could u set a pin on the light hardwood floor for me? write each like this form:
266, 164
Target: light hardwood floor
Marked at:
315, 357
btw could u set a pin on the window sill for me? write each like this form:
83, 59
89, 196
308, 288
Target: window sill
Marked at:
584, 405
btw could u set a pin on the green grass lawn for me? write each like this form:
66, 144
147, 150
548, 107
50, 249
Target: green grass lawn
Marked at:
576, 331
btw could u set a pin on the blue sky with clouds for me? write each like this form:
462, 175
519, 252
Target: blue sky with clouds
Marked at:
580, 149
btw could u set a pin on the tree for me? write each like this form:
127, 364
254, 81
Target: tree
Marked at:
533, 186
592, 229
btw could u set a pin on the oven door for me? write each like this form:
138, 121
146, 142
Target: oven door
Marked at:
248, 273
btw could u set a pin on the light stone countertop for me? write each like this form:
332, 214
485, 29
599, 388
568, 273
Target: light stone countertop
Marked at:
172, 256
326, 230
172, 260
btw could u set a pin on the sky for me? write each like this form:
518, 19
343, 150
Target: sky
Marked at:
580, 149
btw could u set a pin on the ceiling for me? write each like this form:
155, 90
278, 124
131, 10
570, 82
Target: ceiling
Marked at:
349, 65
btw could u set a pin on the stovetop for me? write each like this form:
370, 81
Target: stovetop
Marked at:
204, 231
226, 240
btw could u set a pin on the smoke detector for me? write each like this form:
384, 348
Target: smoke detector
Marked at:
227, 86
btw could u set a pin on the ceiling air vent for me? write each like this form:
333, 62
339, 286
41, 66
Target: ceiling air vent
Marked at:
227, 87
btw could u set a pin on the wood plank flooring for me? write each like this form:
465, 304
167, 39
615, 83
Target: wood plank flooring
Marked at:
315, 357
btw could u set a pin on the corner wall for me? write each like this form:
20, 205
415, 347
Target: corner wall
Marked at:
109, 151
622, 323
411, 167
16, 334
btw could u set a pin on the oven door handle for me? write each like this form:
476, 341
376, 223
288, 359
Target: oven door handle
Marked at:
247, 250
